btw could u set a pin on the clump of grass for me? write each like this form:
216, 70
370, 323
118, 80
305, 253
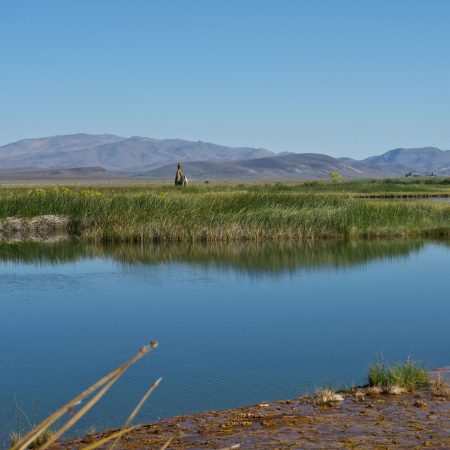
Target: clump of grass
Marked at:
398, 377
40, 440
90, 435
327, 397
374, 390
439, 387
14, 438
395, 389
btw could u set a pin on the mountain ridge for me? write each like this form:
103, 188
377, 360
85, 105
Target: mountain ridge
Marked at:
431, 159
144, 157
114, 152
286, 166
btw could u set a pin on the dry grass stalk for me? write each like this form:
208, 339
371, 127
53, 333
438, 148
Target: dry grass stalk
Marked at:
72, 421
439, 387
36, 228
169, 441
137, 409
359, 393
395, 390
41, 439
116, 435
374, 390
111, 378
14, 438
327, 397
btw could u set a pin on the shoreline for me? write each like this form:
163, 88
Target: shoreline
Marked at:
363, 419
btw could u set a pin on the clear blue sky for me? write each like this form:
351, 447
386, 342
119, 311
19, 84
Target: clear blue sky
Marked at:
340, 77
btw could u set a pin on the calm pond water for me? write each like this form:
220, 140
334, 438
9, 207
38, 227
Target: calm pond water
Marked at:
237, 324
439, 199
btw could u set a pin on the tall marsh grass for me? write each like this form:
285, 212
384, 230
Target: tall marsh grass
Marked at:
251, 212
408, 375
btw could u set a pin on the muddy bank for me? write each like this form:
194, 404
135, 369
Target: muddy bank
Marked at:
38, 229
361, 420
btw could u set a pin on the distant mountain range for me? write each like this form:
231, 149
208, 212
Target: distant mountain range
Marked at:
285, 166
428, 159
106, 156
115, 153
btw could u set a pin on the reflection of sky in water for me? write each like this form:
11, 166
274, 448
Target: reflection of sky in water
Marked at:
438, 199
227, 337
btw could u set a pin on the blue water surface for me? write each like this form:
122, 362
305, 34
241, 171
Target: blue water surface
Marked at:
235, 325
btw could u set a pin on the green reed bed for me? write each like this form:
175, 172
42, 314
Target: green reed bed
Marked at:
389, 187
162, 213
407, 375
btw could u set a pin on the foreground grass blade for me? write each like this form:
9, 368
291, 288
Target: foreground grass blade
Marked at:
80, 413
23, 443
39, 429
167, 443
138, 407
117, 435
94, 399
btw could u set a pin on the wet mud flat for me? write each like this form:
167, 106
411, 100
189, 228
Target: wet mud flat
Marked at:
361, 420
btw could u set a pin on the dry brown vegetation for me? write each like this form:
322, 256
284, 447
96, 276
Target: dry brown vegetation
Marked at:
42, 436
38, 228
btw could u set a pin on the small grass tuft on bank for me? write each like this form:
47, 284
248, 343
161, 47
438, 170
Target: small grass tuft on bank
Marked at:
15, 437
407, 375
440, 387
327, 397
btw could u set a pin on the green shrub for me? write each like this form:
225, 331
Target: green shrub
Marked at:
336, 177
